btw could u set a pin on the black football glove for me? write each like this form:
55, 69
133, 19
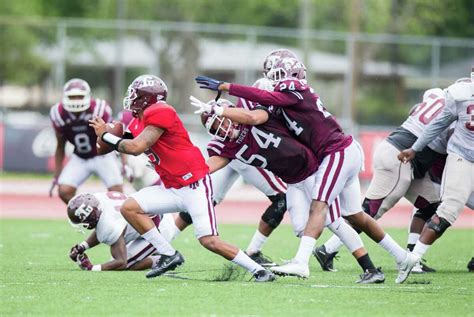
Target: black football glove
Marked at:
209, 83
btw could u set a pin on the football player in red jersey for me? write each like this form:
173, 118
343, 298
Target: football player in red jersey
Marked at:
158, 131
339, 155
70, 119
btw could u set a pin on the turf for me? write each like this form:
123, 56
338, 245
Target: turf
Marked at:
37, 278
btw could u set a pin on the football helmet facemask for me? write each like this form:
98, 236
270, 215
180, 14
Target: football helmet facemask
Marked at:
76, 95
286, 68
84, 211
273, 56
144, 91
220, 127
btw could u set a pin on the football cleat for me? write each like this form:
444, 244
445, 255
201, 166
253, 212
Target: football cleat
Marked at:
324, 258
166, 263
405, 267
372, 277
262, 259
264, 276
292, 268
470, 265
421, 268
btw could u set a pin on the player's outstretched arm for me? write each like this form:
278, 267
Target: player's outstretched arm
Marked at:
215, 163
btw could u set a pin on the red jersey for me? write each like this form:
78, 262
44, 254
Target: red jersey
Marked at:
175, 158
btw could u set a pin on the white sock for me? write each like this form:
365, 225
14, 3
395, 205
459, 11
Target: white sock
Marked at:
169, 231
420, 249
413, 238
256, 244
333, 244
347, 234
393, 248
154, 237
247, 263
305, 249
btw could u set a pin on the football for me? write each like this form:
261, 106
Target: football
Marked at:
116, 128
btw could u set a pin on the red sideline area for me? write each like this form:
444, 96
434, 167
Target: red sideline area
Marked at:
231, 211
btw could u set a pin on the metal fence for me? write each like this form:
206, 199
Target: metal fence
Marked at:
364, 78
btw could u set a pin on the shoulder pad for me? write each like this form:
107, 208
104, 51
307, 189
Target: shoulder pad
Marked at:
461, 91
291, 85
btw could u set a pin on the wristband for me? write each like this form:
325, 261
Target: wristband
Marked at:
111, 139
96, 268
85, 245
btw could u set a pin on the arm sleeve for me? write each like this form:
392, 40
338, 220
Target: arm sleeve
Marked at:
438, 125
263, 97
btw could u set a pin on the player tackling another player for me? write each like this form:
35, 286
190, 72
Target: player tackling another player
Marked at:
157, 131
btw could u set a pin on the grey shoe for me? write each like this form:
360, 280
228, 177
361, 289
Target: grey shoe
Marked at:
262, 259
166, 263
372, 277
324, 258
264, 276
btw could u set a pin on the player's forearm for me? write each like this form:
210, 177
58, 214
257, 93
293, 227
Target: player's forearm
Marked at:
114, 265
58, 161
92, 240
262, 97
244, 116
131, 147
435, 128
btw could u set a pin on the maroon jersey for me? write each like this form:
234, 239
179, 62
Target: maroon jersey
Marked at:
74, 126
270, 146
303, 114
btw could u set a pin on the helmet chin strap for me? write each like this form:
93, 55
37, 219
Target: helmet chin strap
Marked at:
219, 93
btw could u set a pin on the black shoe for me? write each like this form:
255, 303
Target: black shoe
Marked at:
166, 263
264, 276
262, 259
425, 268
325, 259
372, 277
470, 265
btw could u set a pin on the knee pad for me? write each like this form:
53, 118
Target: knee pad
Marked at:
371, 206
186, 217
427, 212
274, 213
439, 227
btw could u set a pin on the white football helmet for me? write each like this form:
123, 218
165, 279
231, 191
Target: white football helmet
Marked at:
224, 128
76, 95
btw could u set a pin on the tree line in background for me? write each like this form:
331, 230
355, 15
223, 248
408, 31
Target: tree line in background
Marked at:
20, 64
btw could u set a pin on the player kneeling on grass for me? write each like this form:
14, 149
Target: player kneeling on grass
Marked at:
100, 212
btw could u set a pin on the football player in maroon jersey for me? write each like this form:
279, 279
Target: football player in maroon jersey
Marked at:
70, 119
158, 131
339, 155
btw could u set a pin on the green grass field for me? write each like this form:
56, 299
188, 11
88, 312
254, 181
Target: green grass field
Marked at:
37, 278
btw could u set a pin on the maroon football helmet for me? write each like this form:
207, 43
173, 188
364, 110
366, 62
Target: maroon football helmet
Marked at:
286, 68
76, 95
84, 211
144, 91
273, 56
220, 127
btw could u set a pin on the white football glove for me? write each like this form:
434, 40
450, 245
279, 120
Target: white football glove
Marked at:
205, 107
